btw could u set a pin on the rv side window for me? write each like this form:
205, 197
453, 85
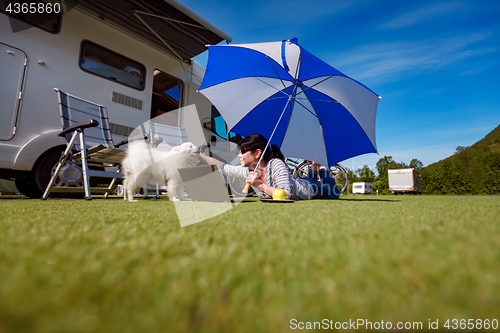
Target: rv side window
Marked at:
110, 65
46, 16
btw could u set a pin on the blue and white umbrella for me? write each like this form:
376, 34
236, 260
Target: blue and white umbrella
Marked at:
298, 102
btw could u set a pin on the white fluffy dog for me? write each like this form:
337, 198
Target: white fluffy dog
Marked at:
144, 164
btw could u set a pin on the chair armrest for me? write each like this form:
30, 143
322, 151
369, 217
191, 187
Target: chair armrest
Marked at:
157, 141
135, 138
205, 146
81, 125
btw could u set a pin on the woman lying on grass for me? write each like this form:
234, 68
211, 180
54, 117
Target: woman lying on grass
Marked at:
273, 173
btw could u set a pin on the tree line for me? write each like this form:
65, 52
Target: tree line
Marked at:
470, 170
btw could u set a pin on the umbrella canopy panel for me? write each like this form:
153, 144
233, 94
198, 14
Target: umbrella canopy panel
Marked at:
326, 116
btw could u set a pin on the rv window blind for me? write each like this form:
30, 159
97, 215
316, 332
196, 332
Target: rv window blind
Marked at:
112, 66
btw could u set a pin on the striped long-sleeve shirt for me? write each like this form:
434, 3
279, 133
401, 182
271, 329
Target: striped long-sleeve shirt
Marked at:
277, 176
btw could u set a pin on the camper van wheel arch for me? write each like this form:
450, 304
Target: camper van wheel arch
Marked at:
28, 187
43, 173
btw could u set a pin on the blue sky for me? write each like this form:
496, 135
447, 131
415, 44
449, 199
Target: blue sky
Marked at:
435, 63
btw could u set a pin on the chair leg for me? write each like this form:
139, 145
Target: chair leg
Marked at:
146, 191
59, 166
111, 188
52, 180
86, 182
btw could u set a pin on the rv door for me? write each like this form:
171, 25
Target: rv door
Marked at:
194, 120
13, 63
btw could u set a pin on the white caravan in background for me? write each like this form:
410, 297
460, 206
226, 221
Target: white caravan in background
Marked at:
362, 188
133, 56
403, 181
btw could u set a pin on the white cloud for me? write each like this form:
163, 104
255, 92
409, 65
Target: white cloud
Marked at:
405, 149
296, 11
427, 155
451, 131
424, 14
389, 62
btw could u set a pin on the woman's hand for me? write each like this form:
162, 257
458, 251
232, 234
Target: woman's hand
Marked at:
254, 179
208, 160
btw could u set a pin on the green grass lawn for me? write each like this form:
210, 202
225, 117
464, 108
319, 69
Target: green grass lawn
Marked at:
112, 266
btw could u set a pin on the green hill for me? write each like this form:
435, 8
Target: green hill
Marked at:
470, 170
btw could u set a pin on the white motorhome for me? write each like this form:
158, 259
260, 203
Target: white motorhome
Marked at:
133, 56
403, 181
362, 188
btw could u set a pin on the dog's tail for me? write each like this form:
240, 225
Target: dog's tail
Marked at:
137, 146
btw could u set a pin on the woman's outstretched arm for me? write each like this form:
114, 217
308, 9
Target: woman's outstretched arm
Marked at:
208, 160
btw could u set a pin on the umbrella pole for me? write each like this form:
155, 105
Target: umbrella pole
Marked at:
247, 185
